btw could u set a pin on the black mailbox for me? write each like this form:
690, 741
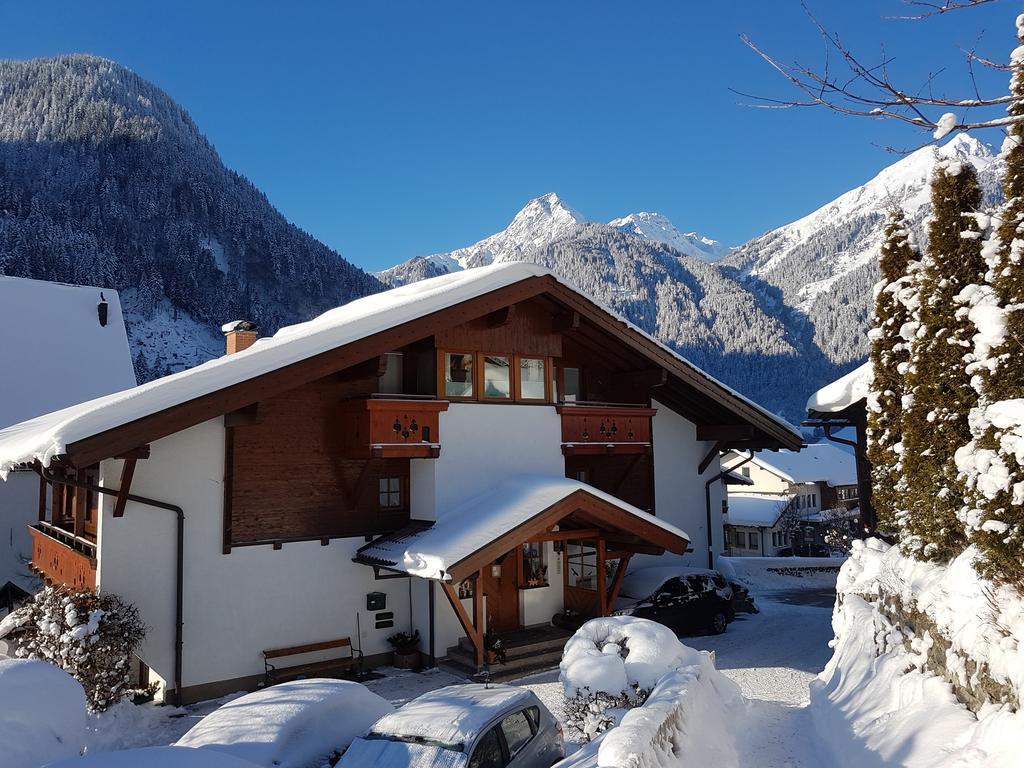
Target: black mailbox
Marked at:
376, 601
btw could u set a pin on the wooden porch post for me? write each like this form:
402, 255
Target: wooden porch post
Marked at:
602, 593
620, 572
42, 498
78, 505
468, 626
478, 616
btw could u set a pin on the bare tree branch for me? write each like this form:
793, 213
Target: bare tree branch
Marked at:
869, 91
937, 9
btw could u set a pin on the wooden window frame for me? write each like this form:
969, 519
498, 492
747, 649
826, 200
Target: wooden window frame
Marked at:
442, 368
402, 493
513, 377
548, 369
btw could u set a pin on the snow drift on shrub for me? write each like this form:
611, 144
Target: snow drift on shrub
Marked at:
42, 714
293, 724
877, 693
612, 664
156, 757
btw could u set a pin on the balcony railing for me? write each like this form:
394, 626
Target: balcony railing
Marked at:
600, 428
392, 427
60, 557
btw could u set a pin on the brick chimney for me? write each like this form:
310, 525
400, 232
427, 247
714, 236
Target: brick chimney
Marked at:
239, 335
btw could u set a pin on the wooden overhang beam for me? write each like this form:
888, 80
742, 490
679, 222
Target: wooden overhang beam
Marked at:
645, 378
501, 317
471, 626
724, 432
620, 574
121, 500
90, 450
716, 449
373, 368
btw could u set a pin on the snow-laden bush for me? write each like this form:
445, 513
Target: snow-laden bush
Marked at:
42, 714
90, 636
612, 664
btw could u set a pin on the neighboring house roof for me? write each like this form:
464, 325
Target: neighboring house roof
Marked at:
755, 509
815, 463
734, 477
342, 337
842, 393
446, 549
55, 352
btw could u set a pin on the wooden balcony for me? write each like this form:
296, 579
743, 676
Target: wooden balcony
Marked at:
592, 428
61, 558
385, 427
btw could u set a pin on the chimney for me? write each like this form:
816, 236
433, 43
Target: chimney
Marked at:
239, 334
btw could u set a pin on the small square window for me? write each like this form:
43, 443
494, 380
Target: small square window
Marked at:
497, 377
458, 374
532, 378
389, 492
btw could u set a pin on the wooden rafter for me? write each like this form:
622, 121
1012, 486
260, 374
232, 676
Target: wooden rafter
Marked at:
620, 573
471, 626
127, 473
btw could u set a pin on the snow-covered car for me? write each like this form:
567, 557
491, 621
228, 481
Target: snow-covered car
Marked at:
741, 601
684, 599
463, 726
294, 724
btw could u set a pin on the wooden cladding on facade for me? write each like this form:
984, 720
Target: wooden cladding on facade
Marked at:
57, 563
629, 477
289, 474
391, 428
604, 429
526, 328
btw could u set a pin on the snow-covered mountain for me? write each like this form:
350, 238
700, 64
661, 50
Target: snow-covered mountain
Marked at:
658, 228
775, 318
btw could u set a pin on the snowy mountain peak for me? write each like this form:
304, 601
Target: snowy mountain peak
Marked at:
658, 228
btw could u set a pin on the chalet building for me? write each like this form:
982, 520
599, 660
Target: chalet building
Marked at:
469, 454
790, 485
49, 330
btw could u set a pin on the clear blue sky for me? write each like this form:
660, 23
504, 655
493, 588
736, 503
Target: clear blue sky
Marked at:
391, 129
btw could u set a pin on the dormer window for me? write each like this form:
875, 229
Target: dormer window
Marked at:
497, 377
532, 378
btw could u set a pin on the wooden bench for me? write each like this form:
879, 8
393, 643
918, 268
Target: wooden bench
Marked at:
272, 674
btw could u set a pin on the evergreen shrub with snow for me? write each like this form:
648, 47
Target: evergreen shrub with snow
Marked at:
612, 664
90, 636
938, 394
890, 358
993, 461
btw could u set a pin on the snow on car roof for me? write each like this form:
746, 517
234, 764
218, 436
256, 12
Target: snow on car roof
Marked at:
643, 582
755, 509
44, 437
431, 552
815, 463
454, 714
842, 392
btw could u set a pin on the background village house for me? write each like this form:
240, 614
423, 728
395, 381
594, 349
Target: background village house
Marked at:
63, 344
472, 453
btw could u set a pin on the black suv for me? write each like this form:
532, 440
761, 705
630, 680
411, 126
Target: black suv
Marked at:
686, 600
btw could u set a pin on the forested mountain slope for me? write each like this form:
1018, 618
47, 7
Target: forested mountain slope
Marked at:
105, 180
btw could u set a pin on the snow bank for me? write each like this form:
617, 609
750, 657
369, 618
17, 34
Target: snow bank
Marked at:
292, 724
156, 757
689, 718
617, 655
768, 573
843, 392
42, 714
879, 702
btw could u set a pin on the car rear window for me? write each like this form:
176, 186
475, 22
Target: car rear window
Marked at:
517, 732
534, 714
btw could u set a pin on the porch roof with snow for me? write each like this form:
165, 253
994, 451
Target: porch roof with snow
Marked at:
842, 393
756, 510
815, 463
351, 334
516, 510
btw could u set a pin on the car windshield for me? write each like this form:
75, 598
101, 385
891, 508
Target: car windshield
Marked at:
412, 739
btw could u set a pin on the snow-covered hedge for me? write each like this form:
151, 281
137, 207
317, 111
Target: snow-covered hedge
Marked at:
690, 718
42, 714
90, 636
914, 642
612, 664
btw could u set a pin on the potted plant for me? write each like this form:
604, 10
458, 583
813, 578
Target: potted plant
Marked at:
407, 651
494, 649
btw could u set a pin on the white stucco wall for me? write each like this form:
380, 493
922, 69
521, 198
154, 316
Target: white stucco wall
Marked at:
679, 489
763, 480
237, 604
19, 508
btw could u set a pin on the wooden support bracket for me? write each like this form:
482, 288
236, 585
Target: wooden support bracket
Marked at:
712, 455
127, 473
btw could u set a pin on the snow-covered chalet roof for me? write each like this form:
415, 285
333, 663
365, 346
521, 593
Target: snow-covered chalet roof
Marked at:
755, 509
843, 392
815, 463
48, 436
55, 352
431, 552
